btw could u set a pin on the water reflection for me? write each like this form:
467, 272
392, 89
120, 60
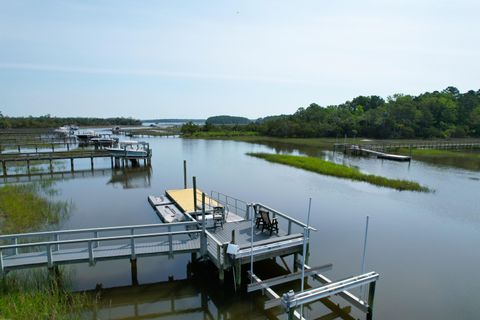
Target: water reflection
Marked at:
200, 296
128, 178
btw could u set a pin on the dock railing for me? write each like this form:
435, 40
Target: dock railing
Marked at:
92, 243
234, 205
23, 240
283, 218
216, 249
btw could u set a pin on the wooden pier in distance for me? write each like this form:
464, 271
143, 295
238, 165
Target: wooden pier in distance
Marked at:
116, 160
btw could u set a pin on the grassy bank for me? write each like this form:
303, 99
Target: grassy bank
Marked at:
33, 294
341, 171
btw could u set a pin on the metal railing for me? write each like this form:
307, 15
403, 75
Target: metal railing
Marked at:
93, 243
237, 206
55, 235
286, 218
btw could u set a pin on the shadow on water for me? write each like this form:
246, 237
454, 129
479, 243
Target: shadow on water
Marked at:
200, 296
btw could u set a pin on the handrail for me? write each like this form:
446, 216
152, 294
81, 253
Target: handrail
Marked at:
116, 228
69, 241
209, 235
283, 215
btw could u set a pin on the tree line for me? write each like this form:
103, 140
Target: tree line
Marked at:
439, 114
52, 122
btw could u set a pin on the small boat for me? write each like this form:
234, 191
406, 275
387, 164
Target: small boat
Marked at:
87, 135
116, 130
64, 130
104, 140
130, 149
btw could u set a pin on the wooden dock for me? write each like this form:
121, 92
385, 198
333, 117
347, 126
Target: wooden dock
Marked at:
49, 157
228, 247
362, 150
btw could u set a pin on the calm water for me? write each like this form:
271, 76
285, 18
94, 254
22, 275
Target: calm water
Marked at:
423, 245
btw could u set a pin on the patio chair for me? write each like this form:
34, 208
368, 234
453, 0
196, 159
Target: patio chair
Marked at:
268, 224
218, 214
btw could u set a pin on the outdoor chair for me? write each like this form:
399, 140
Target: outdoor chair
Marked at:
218, 214
268, 224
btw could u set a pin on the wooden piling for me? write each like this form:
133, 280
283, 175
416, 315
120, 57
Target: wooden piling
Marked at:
72, 168
371, 296
194, 181
133, 269
4, 168
91, 162
185, 174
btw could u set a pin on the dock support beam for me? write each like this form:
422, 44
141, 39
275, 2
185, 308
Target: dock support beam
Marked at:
194, 193
133, 267
371, 296
185, 174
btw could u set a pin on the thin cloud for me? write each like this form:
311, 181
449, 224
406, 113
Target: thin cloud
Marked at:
141, 73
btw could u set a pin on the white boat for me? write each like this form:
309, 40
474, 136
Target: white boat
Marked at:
130, 149
87, 135
104, 140
63, 130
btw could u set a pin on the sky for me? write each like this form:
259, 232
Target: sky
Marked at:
195, 59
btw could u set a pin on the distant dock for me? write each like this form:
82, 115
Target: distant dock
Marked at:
361, 150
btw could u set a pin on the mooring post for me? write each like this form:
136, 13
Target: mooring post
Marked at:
18, 146
28, 166
203, 238
4, 168
185, 174
68, 146
72, 168
371, 296
51, 166
194, 181
91, 162
133, 268
111, 162
53, 147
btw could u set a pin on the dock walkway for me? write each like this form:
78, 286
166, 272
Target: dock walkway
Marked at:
67, 155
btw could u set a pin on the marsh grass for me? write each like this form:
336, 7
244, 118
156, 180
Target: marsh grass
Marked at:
332, 169
26, 207
36, 294
33, 294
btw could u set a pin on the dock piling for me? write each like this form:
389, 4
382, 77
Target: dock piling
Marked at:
194, 181
133, 270
185, 174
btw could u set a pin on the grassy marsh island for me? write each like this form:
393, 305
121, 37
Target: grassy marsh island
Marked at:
332, 169
35, 293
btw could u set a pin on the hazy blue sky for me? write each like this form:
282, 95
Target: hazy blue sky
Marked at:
193, 59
